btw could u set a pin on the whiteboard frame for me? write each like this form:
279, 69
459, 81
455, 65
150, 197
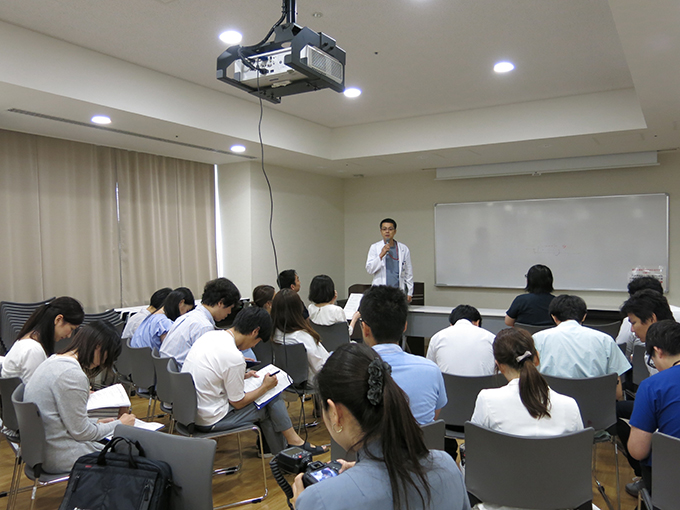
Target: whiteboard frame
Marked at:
666, 251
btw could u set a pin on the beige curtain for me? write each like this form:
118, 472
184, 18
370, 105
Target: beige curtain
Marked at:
61, 233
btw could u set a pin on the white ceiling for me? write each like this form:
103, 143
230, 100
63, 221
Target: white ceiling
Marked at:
592, 77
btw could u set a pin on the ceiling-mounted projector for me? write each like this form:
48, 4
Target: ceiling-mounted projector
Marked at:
298, 60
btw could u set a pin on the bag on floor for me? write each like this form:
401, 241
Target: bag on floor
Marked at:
118, 481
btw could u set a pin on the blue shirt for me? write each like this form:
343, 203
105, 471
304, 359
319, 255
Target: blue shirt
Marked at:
150, 331
572, 350
657, 404
186, 330
392, 266
420, 378
367, 485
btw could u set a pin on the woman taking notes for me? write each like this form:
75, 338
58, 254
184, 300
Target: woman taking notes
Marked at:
368, 413
60, 388
152, 331
44, 328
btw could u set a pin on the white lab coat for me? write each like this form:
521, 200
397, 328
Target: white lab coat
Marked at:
376, 267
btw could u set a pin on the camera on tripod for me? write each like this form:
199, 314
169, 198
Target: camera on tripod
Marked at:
296, 460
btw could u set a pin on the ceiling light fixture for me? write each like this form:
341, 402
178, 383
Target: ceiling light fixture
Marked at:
101, 119
231, 37
237, 148
352, 92
503, 67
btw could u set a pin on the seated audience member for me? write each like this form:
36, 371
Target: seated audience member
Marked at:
369, 414
152, 331
464, 348
572, 350
291, 328
218, 299
263, 295
289, 279
323, 310
217, 366
532, 308
383, 312
60, 388
135, 320
526, 406
44, 328
643, 309
657, 401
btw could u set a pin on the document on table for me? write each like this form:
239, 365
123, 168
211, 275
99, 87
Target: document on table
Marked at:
352, 305
253, 383
111, 396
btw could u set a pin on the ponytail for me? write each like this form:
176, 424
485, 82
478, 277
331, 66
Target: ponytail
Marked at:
381, 408
515, 348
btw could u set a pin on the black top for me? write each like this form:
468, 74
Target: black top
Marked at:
531, 309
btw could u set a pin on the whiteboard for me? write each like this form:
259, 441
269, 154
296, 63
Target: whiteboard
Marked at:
589, 243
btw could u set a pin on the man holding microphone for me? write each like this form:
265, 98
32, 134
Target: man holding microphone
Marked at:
389, 261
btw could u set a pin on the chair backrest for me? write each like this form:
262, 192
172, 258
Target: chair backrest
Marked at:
332, 336
292, 359
595, 396
665, 487
528, 472
163, 385
9, 416
32, 431
264, 352
123, 364
610, 328
434, 434
532, 328
462, 395
184, 400
143, 375
640, 372
12, 318
190, 458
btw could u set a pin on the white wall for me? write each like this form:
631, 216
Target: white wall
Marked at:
308, 225
410, 199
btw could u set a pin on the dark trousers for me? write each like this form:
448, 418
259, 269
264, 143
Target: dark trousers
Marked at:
624, 409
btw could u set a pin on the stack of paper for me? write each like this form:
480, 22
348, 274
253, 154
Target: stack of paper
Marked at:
253, 383
107, 402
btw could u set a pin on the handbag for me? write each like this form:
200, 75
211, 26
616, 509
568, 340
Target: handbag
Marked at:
118, 481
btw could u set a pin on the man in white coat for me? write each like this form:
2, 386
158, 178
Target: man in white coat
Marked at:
389, 261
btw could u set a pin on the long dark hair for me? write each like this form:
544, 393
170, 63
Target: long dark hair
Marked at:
287, 314
173, 300
510, 348
91, 336
381, 408
40, 325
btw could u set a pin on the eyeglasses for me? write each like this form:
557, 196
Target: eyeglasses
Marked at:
650, 362
387, 229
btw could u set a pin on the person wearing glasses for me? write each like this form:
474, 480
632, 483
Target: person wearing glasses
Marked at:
389, 262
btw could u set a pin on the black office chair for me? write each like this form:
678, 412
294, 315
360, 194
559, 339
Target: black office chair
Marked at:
665, 493
332, 336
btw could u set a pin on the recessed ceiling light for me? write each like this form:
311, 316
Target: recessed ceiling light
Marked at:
352, 92
231, 37
237, 148
503, 67
101, 119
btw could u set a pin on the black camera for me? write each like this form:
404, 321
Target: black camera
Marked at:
296, 460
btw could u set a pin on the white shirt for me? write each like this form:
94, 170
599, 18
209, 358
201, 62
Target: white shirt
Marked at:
316, 353
218, 369
463, 349
376, 266
22, 359
327, 315
133, 323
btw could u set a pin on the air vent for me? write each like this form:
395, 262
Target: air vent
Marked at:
124, 132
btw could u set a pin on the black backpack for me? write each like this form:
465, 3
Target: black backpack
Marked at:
118, 481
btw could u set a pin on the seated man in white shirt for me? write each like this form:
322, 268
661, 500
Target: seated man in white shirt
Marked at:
572, 350
464, 348
135, 320
218, 368
218, 299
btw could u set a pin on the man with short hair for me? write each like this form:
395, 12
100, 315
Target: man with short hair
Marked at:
155, 303
383, 311
657, 401
389, 262
218, 299
572, 350
464, 348
219, 370
289, 279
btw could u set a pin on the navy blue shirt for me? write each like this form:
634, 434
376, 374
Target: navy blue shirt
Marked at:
532, 309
